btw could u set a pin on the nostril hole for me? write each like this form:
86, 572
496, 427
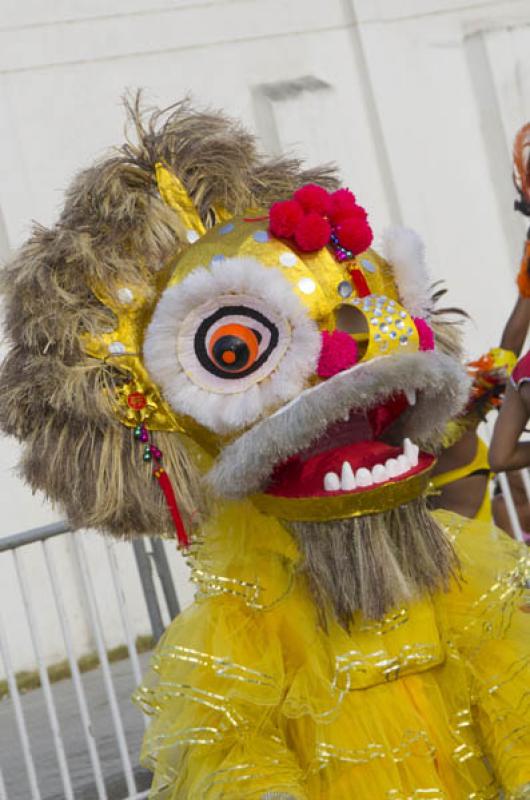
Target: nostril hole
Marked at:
350, 320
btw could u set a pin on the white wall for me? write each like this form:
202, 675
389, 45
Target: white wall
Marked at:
417, 101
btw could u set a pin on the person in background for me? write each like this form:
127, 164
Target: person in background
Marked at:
513, 338
463, 472
507, 452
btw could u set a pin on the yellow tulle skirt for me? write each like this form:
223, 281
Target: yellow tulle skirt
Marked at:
250, 695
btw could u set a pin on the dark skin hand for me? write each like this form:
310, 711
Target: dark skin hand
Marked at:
506, 451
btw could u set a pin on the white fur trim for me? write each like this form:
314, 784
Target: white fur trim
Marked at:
191, 390
404, 249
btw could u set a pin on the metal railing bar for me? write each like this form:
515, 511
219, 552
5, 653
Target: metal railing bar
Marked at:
510, 506
15, 540
76, 674
505, 488
19, 716
44, 678
95, 620
3, 790
526, 483
146, 576
162, 568
122, 607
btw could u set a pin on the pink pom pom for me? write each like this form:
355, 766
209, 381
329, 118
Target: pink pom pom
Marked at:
425, 334
284, 217
312, 232
354, 234
313, 198
339, 352
342, 205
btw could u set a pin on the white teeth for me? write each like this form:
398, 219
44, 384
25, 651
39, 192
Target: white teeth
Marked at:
392, 467
363, 477
411, 450
331, 482
410, 394
347, 478
379, 474
403, 464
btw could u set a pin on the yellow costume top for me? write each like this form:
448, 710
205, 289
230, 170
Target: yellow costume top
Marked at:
490, 373
247, 691
478, 463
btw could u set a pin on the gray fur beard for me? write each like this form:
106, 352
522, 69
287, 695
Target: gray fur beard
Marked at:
374, 563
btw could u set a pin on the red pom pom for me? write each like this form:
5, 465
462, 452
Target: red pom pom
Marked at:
312, 232
342, 205
358, 213
355, 234
313, 198
339, 352
284, 217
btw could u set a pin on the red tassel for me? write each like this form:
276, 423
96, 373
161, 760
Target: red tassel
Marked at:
361, 286
166, 486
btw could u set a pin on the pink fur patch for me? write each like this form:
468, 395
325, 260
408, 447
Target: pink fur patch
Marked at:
425, 334
339, 352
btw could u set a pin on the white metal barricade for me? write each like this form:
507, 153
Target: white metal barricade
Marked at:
93, 781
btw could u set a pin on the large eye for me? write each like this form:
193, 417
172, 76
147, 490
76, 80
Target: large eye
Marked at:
229, 343
228, 347
235, 341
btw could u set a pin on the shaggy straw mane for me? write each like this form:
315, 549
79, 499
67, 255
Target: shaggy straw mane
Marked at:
374, 563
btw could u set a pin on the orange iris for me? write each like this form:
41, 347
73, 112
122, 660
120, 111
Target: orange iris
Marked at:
234, 347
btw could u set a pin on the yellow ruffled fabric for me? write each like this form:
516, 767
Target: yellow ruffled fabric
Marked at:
250, 695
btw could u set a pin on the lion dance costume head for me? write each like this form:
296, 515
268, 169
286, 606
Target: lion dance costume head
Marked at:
203, 329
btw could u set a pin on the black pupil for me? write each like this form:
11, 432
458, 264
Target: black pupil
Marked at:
231, 357
231, 352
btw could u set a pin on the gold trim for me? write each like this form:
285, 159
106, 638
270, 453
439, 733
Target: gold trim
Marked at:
174, 195
220, 665
390, 667
168, 690
345, 506
414, 744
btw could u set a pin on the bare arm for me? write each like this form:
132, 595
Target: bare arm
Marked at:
506, 451
516, 328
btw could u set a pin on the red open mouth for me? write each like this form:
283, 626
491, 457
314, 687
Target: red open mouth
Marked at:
350, 457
